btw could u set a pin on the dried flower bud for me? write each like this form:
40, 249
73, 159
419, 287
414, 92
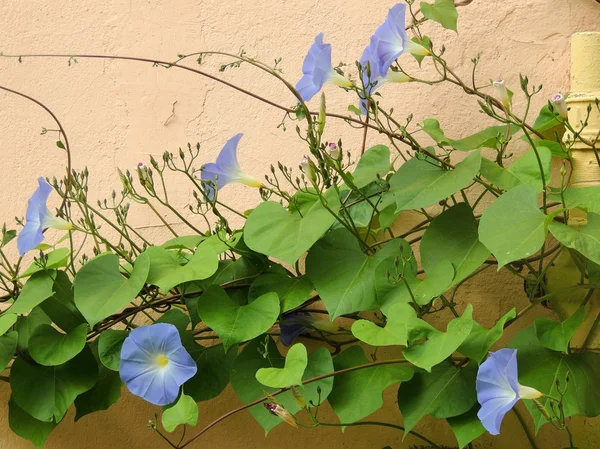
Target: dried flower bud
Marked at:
560, 105
502, 92
299, 398
278, 410
333, 151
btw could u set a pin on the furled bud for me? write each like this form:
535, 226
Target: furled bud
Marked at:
333, 151
308, 168
502, 92
298, 397
560, 105
322, 114
278, 410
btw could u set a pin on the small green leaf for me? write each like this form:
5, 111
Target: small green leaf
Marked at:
421, 183
525, 170
177, 318
101, 290
557, 335
440, 345
513, 227
109, 348
47, 392
445, 392
27, 324
425, 42
546, 120
54, 259
60, 145
585, 239
359, 393
8, 346
190, 242
586, 198
166, 270
26, 426
184, 411
480, 340
466, 427
453, 236
6, 322
7, 237
487, 138
233, 323
60, 307
287, 235
36, 290
49, 347
442, 11
375, 161
292, 372
292, 292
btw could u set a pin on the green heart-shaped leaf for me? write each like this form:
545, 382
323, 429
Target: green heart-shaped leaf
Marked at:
109, 348
54, 259
292, 292
525, 170
233, 323
26, 426
6, 322
557, 335
480, 340
49, 347
60, 307
586, 239
8, 346
513, 227
487, 138
292, 372
166, 270
375, 161
101, 290
287, 235
184, 411
36, 290
466, 427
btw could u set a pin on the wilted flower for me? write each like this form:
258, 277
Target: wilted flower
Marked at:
226, 169
333, 151
501, 92
154, 364
38, 218
278, 410
498, 388
560, 105
295, 324
390, 40
317, 70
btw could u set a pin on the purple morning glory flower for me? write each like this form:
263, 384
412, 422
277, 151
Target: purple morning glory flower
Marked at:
498, 388
294, 324
317, 70
38, 218
226, 169
154, 364
390, 40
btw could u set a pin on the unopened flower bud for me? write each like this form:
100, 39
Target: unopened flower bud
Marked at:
278, 410
298, 397
502, 92
322, 114
308, 168
333, 151
560, 105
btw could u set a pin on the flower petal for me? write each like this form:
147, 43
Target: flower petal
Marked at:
292, 325
316, 68
31, 235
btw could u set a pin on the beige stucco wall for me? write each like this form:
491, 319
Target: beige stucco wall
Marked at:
116, 113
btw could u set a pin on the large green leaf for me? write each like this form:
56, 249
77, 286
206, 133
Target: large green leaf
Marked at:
167, 272
525, 170
49, 347
292, 292
27, 324
359, 393
184, 411
233, 323
287, 235
542, 368
402, 322
440, 345
586, 198
109, 347
466, 427
60, 307
291, 374
375, 161
47, 392
343, 275
480, 340
214, 370
261, 353
6, 322
546, 120
230, 271
557, 335
420, 183
105, 393
487, 138
101, 290
513, 227
445, 392
586, 240
442, 11
26, 426
453, 236
8, 346
36, 290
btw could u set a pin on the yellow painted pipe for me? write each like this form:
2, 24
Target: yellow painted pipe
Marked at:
585, 89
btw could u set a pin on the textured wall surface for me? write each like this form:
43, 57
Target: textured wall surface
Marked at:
116, 113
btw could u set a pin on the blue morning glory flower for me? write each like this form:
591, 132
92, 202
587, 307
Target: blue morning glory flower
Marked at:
154, 364
226, 169
371, 73
317, 70
391, 40
498, 388
38, 218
